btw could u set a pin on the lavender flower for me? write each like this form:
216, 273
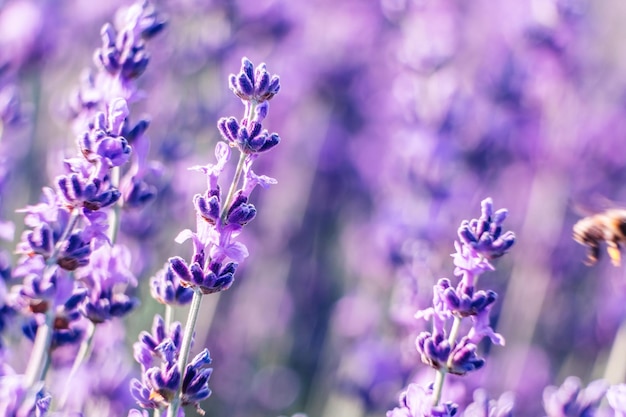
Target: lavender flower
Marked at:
121, 59
482, 406
167, 288
484, 234
145, 349
572, 400
440, 349
417, 402
161, 381
616, 396
252, 85
16, 400
219, 220
105, 278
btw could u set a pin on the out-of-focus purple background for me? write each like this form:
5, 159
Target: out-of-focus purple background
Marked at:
397, 118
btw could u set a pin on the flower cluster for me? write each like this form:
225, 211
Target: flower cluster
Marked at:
161, 381
220, 218
73, 274
480, 240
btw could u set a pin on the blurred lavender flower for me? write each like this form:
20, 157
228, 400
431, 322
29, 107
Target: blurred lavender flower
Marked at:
106, 277
445, 349
18, 400
572, 400
417, 402
121, 59
616, 396
482, 406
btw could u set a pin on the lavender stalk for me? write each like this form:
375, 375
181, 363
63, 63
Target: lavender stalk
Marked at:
480, 240
219, 220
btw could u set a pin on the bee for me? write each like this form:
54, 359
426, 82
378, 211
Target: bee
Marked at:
608, 226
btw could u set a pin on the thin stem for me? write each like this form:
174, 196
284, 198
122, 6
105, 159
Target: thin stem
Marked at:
233, 186
169, 312
81, 356
239, 169
441, 373
114, 213
71, 224
38, 362
440, 378
39, 355
454, 331
172, 410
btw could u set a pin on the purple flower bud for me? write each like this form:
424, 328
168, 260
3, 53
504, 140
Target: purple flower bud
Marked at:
105, 304
195, 386
105, 57
144, 396
229, 128
240, 212
86, 192
74, 253
166, 287
214, 280
486, 208
114, 150
138, 193
41, 240
137, 131
464, 302
63, 333
433, 349
254, 85
179, 266
484, 236
261, 111
464, 358
207, 207
145, 349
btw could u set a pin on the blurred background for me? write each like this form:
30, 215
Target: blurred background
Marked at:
397, 118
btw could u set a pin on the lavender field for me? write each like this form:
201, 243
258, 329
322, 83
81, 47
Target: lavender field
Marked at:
347, 208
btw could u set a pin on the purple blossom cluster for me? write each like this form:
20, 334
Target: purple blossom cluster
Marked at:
220, 218
443, 349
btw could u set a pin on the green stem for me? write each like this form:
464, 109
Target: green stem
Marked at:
81, 356
454, 331
441, 373
233, 186
39, 357
238, 170
169, 312
114, 212
37, 363
172, 410
440, 378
